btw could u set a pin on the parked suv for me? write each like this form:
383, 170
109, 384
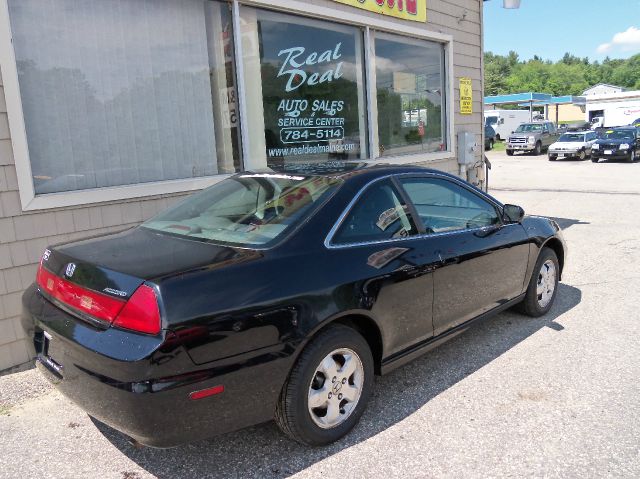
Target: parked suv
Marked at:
532, 137
573, 145
617, 144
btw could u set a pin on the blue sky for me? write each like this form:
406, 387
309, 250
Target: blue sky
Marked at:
549, 28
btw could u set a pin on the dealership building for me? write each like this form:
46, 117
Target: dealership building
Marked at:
111, 111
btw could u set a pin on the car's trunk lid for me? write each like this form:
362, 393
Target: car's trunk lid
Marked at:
94, 278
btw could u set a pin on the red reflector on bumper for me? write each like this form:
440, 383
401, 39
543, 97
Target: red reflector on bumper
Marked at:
203, 393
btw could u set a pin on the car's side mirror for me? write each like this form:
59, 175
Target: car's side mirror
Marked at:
512, 213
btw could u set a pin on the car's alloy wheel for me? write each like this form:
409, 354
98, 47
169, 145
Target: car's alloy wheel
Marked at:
328, 387
582, 154
543, 285
335, 388
546, 284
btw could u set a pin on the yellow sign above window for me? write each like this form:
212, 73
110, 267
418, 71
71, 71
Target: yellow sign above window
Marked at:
466, 96
415, 10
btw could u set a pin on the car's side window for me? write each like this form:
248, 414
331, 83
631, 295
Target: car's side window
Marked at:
379, 214
445, 206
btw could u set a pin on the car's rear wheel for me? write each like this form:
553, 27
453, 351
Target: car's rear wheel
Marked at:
543, 286
328, 387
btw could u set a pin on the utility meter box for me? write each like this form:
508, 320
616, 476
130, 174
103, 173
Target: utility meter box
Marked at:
467, 147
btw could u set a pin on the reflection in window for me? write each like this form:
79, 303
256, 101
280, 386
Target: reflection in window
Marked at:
445, 206
410, 95
379, 214
310, 75
117, 93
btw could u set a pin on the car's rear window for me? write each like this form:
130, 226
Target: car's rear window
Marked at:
248, 209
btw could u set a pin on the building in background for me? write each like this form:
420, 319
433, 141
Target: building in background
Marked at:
110, 111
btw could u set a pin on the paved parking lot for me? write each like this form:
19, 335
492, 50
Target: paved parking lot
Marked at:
557, 396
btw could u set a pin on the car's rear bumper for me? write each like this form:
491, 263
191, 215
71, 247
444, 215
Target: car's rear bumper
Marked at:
141, 385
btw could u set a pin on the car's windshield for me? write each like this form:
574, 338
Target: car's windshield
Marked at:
491, 120
618, 135
526, 127
247, 209
569, 137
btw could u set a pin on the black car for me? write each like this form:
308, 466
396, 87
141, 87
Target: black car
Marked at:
280, 295
622, 143
489, 137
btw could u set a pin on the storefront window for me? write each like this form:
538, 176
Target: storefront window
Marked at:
118, 93
305, 88
410, 95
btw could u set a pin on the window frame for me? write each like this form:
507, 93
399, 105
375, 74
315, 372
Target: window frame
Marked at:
30, 201
422, 234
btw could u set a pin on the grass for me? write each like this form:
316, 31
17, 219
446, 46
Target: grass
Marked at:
499, 146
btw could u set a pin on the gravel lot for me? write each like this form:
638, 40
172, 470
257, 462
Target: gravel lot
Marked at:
515, 397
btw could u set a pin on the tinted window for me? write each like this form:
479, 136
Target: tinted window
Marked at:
379, 214
445, 206
251, 209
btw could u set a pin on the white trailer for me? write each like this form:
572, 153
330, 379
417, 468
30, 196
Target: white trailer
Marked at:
505, 121
614, 109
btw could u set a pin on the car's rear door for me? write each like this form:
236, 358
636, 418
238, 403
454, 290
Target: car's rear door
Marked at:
482, 260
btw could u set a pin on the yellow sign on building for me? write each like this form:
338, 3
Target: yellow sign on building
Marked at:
415, 10
466, 96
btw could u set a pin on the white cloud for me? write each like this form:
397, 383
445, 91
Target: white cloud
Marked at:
629, 40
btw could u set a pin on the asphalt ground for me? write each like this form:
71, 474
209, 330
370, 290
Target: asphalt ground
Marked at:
556, 396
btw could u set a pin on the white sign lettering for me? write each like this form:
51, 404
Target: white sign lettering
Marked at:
295, 59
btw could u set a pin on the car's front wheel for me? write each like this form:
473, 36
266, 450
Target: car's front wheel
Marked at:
509, 152
328, 387
582, 154
538, 149
632, 156
543, 285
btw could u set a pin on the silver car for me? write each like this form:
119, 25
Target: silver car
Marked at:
573, 145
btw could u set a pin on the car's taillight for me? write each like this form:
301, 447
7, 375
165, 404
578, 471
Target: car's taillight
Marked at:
98, 305
141, 312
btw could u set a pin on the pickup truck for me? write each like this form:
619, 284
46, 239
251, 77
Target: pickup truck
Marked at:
532, 137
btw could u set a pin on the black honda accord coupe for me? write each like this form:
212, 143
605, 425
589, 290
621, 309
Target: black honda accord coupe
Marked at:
280, 295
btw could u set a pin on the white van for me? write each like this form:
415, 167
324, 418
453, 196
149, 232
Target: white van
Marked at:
505, 121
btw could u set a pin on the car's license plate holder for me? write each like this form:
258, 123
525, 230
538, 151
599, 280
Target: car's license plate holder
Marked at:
608, 152
50, 364
561, 155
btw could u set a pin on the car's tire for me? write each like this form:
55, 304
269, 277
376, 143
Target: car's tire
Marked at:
328, 353
552, 158
582, 155
509, 152
632, 156
594, 160
543, 285
538, 149
491, 143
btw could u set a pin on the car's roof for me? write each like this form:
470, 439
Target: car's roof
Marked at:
343, 169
